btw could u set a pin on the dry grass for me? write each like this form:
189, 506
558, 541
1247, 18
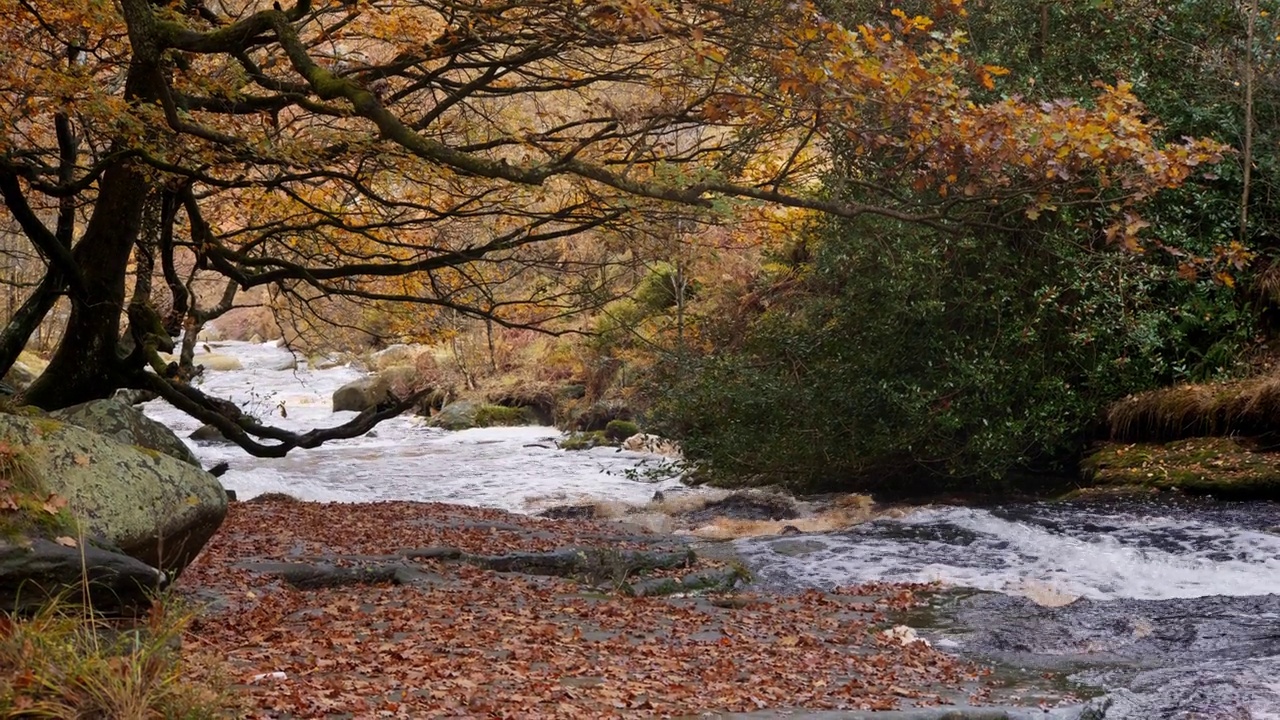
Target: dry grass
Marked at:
63, 663
1247, 407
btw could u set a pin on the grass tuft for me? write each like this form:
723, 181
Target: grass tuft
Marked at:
63, 663
1247, 407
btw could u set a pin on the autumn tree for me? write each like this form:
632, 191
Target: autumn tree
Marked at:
404, 151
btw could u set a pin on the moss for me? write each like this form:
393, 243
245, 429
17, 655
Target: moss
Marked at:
26, 505
584, 440
619, 430
150, 452
1222, 467
45, 425
500, 415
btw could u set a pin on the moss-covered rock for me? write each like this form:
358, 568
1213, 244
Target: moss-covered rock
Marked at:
1218, 466
584, 440
619, 430
126, 424
151, 506
25, 370
467, 414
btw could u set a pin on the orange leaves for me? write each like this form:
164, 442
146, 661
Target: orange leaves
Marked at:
471, 643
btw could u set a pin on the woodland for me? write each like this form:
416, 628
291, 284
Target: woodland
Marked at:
910, 248
824, 242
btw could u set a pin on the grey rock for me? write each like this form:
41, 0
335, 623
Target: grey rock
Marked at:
36, 570
209, 434
124, 423
361, 395
153, 507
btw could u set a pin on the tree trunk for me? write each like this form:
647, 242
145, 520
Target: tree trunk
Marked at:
86, 363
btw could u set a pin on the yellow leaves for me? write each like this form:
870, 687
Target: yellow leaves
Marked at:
917, 23
986, 73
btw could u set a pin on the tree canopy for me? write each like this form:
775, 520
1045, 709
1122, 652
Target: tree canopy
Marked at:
442, 153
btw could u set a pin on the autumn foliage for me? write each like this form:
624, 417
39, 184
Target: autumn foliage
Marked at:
484, 160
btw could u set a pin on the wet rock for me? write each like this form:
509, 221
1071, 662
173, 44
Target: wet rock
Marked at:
797, 547
209, 434
593, 563
125, 423
712, 580
747, 506
569, 512
361, 395
151, 506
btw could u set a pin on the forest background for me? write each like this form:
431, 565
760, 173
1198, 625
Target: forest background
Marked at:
825, 244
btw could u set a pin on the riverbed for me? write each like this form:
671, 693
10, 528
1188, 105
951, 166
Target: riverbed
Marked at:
1169, 608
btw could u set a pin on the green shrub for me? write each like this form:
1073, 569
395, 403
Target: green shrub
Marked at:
908, 360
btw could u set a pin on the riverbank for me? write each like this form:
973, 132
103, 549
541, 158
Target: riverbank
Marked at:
449, 638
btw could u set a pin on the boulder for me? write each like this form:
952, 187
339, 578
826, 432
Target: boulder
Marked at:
656, 444
289, 363
361, 395
35, 570
457, 415
467, 414
747, 506
209, 434
126, 424
600, 414
153, 507
401, 379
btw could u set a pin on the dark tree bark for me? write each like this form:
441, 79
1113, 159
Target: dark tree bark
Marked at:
86, 365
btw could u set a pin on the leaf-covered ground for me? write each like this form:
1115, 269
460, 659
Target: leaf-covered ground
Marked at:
467, 642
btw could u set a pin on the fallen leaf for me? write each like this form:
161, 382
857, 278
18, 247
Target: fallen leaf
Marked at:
54, 503
66, 541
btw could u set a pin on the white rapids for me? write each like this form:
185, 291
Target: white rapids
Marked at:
518, 469
1045, 552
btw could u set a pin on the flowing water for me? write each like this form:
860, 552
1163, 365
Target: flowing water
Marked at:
519, 469
1173, 609
1173, 606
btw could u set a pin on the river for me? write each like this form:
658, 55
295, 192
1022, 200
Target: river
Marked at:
1171, 609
